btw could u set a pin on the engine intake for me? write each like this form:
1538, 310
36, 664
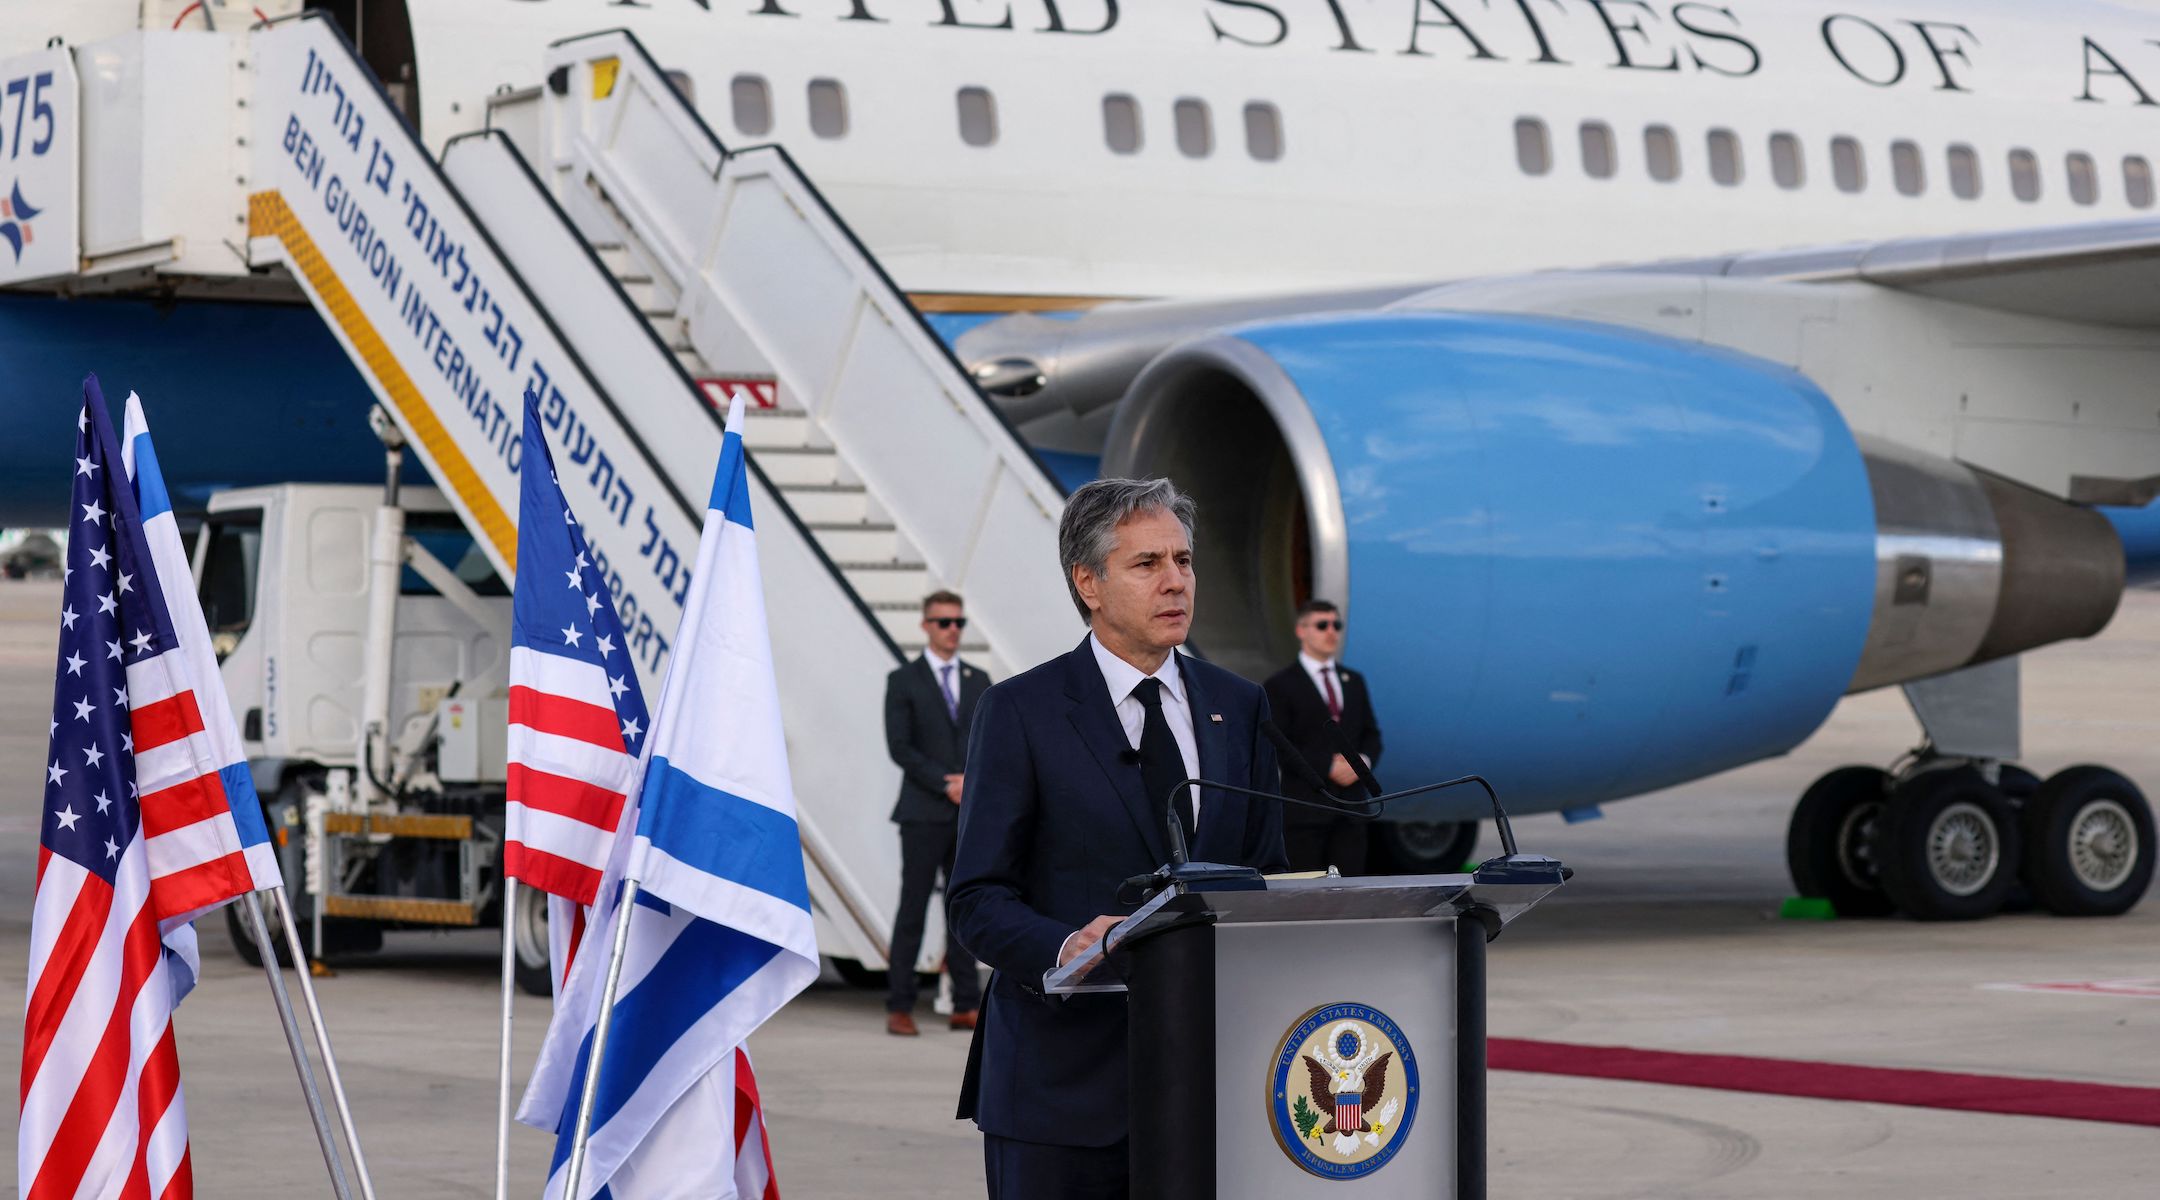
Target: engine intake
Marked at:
1584, 560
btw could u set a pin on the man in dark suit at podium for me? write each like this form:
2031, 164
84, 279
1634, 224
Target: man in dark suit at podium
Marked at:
928, 706
1305, 696
1069, 767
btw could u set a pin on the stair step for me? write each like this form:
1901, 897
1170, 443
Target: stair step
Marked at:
826, 504
801, 467
776, 427
857, 542
891, 583
615, 257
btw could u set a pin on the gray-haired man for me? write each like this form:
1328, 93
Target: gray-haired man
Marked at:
1070, 768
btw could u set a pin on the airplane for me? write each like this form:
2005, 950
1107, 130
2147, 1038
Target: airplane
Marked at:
1642, 377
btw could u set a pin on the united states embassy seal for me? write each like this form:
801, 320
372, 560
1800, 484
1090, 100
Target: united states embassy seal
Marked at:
1343, 1090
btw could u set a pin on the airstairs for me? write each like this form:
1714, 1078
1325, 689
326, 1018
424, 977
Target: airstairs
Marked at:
599, 247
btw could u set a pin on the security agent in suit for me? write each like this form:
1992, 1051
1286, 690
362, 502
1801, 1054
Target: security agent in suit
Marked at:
1068, 769
928, 706
1305, 696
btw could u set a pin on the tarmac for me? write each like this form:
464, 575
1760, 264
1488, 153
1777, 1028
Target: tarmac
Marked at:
1668, 939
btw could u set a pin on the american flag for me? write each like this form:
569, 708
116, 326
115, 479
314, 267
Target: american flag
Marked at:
136, 831
576, 711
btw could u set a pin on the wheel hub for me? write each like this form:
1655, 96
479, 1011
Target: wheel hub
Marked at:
2103, 845
1854, 858
1963, 849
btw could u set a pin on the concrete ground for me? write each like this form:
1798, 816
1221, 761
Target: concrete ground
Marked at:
1667, 939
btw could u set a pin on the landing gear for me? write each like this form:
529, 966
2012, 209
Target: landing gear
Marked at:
1947, 846
1940, 842
2088, 843
1828, 846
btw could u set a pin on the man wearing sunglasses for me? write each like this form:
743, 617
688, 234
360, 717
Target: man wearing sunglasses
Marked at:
1305, 696
929, 704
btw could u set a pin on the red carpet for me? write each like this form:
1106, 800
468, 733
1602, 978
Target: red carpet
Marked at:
1835, 1081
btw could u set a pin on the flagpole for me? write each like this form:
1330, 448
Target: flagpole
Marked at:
283, 1001
625, 908
322, 1040
502, 1070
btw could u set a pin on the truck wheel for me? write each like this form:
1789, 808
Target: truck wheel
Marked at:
529, 942
1423, 847
243, 938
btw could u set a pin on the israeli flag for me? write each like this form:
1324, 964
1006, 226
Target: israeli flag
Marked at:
720, 936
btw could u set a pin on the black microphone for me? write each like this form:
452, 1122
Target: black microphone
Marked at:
1351, 756
1293, 759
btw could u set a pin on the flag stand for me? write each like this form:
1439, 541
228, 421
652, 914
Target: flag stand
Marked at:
322, 1039
625, 909
509, 980
278, 995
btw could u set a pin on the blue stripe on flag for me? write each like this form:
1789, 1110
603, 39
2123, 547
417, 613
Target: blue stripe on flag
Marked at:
705, 959
149, 481
723, 834
731, 483
247, 811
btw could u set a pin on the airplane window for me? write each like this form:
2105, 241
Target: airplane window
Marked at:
1532, 152
1724, 157
2024, 176
1597, 150
2084, 177
752, 101
1661, 150
684, 86
1195, 135
1846, 166
828, 108
978, 116
1906, 170
1964, 172
1121, 123
2137, 182
1786, 164
1263, 131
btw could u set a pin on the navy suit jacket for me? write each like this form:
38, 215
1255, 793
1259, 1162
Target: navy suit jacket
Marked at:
1052, 819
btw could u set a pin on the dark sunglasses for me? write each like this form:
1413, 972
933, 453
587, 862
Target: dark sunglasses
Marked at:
948, 622
1325, 626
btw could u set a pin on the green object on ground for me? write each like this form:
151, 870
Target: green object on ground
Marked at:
1807, 908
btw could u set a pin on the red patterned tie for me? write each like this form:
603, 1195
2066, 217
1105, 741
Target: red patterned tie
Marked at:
1334, 702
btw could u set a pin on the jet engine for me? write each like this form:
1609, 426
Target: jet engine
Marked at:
1580, 559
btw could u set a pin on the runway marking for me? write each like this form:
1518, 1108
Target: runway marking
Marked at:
2136, 989
2005, 1094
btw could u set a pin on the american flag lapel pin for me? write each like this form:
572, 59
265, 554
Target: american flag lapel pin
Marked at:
1215, 717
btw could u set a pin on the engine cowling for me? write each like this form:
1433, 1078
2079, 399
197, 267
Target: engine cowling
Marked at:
1584, 560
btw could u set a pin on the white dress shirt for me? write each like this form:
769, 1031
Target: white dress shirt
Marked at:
1313, 667
1123, 677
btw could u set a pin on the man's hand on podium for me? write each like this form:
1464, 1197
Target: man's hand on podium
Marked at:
1078, 941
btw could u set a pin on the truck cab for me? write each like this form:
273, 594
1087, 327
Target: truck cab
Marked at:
395, 828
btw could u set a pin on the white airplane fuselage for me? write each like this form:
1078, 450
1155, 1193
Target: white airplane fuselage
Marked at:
1401, 155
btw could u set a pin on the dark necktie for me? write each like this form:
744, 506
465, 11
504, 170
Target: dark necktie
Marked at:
1161, 765
1334, 702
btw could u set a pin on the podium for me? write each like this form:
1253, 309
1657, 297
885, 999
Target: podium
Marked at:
1291, 1035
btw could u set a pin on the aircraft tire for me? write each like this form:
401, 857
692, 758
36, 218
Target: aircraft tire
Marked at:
1421, 847
1827, 847
2088, 843
1948, 846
